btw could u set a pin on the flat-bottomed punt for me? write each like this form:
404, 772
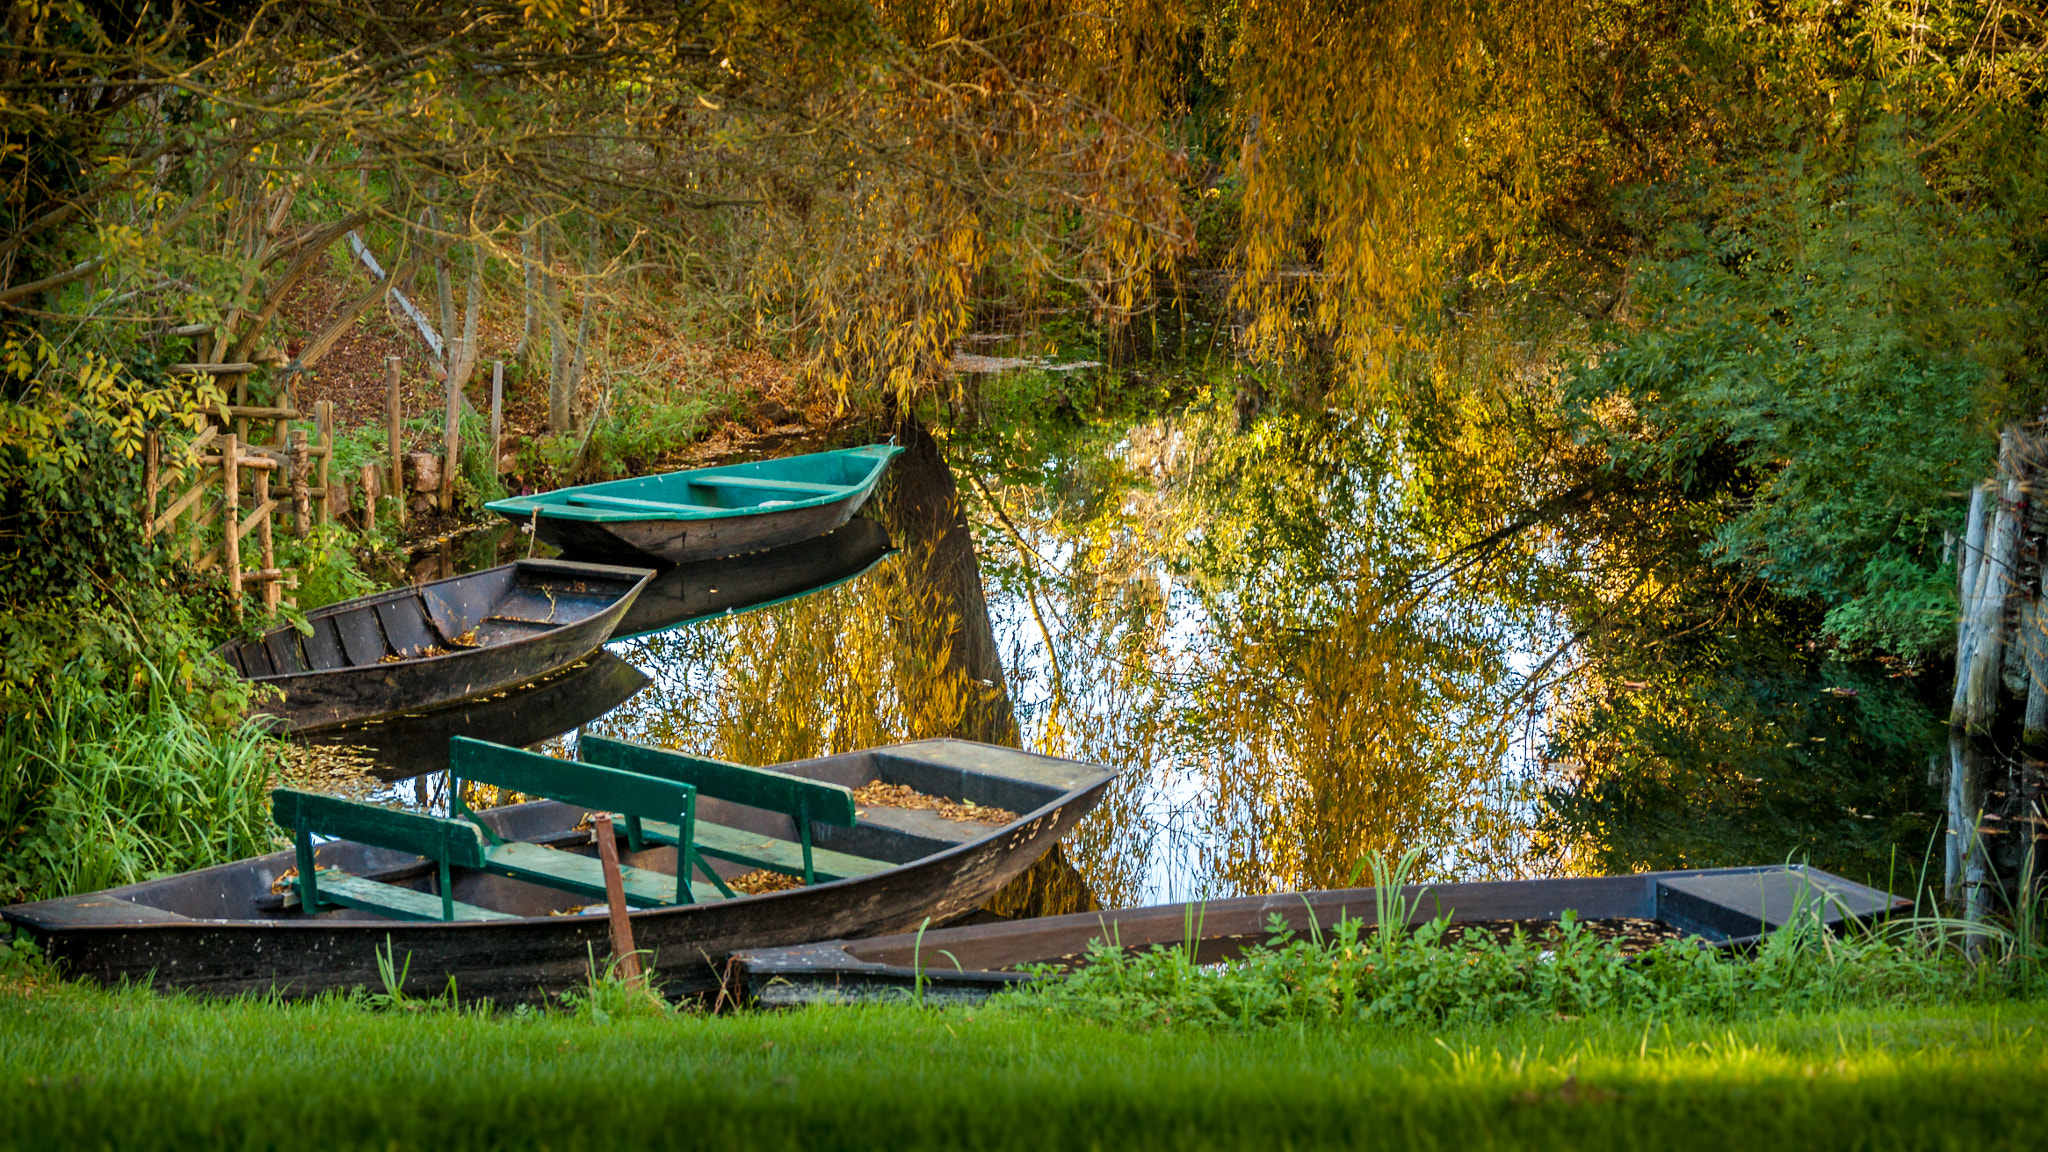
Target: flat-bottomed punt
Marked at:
705, 513
487, 908
1728, 907
430, 645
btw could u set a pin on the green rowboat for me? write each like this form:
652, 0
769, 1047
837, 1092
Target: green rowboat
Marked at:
705, 513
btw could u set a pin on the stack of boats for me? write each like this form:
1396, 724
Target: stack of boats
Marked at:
793, 883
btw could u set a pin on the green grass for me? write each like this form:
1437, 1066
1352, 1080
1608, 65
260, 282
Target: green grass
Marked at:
85, 1068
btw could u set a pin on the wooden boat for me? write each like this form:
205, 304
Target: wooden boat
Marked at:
416, 743
224, 930
689, 593
430, 645
1723, 906
705, 513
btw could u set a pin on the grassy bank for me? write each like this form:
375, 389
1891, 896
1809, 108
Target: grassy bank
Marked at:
132, 1069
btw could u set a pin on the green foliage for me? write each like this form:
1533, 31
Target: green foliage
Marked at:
1843, 329
325, 560
1436, 974
123, 750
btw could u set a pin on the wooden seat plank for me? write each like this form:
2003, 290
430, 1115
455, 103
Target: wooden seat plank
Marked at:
765, 484
626, 504
338, 887
570, 872
769, 852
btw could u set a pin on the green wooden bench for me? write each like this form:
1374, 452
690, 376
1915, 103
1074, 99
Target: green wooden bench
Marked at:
642, 800
800, 799
449, 843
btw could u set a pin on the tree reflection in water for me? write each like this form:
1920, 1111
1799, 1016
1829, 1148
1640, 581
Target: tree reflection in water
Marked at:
1241, 621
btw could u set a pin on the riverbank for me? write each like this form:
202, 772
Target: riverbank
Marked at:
130, 1069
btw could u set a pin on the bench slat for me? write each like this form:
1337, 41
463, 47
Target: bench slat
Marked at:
572, 782
453, 841
772, 853
763, 483
628, 504
754, 787
338, 887
584, 875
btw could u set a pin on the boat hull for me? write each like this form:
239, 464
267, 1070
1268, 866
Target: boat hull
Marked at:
320, 699
691, 592
1729, 907
109, 938
689, 541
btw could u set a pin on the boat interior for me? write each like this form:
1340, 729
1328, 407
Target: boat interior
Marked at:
736, 487
479, 610
538, 858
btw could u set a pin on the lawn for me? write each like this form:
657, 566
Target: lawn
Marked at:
87, 1068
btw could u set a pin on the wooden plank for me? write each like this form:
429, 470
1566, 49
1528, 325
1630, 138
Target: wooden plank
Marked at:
394, 413
584, 875
770, 852
178, 506
361, 637
629, 505
236, 369
256, 518
405, 625
771, 485
283, 646
338, 887
456, 842
584, 785
739, 783
323, 648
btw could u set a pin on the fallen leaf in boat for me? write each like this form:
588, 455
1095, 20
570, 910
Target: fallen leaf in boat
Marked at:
877, 794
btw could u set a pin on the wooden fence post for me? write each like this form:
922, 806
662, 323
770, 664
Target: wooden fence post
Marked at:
150, 463
497, 410
324, 413
394, 408
302, 498
451, 432
262, 516
371, 475
231, 515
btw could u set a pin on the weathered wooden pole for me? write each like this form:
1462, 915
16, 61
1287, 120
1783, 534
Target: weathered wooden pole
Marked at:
370, 477
451, 430
324, 413
262, 514
150, 464
231, 515
1992, 581
302, 496
394, 411
626, 956
497, 410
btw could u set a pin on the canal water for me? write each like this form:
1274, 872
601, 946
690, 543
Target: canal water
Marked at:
1252, 620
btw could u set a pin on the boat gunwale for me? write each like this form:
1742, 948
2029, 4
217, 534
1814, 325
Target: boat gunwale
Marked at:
549, 506
1103, 777
322, 612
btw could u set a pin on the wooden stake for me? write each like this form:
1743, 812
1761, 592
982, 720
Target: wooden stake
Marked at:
497, 410
150, 464
231, 481
324, 413
615, 902
302, 499
263, 537
394, 409
451, 431
371, 477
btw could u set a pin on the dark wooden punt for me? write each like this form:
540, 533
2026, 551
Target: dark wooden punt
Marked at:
429, 645
1731, 906
705, 513
221, 931
689, 593
415, 743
